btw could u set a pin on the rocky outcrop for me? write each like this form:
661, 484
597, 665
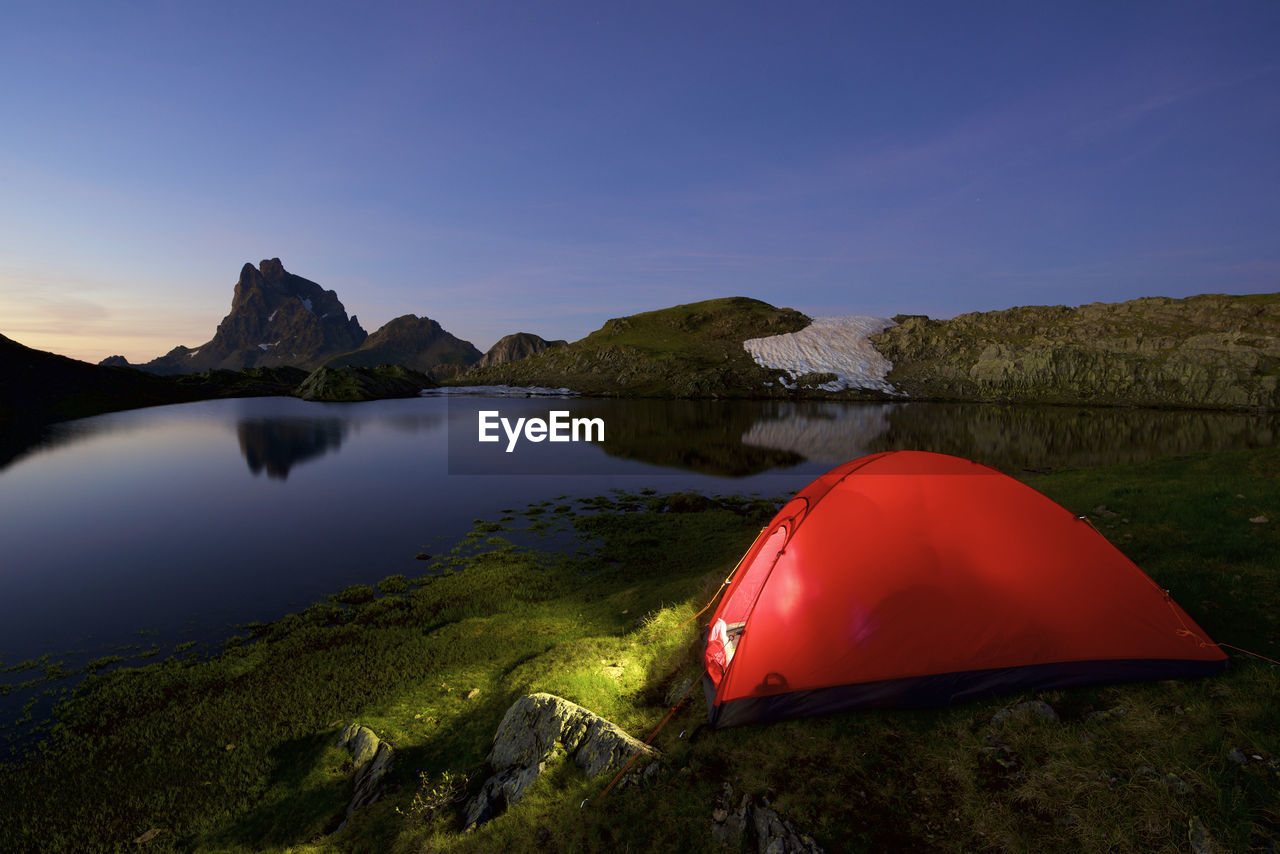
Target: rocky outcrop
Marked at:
276, 318
533, 729
517, 346
115, 362
1209, 351
733, 822
370, 759
415, 342
351, 384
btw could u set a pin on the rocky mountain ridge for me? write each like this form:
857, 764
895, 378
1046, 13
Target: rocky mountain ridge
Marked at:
418, 343
276, 318
1211, 351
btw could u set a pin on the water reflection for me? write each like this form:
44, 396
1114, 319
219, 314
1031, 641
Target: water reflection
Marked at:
1011, 438
277, 444
718, 438
705, 436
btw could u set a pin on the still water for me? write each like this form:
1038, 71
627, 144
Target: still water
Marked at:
176, 523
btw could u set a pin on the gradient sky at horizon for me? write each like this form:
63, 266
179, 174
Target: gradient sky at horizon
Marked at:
542, 167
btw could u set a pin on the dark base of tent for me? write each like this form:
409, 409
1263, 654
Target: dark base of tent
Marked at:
945, 689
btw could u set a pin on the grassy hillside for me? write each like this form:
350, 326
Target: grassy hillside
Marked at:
692, 350
237, 754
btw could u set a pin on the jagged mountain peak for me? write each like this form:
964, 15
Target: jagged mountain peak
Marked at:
276, 318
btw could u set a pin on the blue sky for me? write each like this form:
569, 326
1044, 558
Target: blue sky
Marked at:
544, 166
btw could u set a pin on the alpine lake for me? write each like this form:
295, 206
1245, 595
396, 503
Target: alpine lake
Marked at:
134, 534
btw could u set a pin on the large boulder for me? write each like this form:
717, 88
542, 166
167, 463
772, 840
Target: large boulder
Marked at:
533, 729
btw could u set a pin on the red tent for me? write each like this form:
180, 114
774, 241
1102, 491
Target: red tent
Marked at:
916, 579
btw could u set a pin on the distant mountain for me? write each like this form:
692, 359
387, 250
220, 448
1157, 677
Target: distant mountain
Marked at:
692, 350
415, 342
276, 319
516, 346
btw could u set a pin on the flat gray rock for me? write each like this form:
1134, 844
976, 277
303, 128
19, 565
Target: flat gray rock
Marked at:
535, 727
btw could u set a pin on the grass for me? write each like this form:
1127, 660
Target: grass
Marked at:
236, 753
692, 350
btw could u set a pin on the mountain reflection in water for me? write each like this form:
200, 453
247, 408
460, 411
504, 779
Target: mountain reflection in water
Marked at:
275, 445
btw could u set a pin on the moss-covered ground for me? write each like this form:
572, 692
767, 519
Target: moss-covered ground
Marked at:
237, 752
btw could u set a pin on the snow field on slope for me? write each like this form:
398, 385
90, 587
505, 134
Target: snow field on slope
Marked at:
836, 345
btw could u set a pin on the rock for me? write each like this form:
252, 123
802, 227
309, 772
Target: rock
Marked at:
775, 836
1238, 757
728, 824
1024, 711
473, 693
532, 730
417, 343
115, 362
1259, 520
148, 836
998, 757
771, 833
370, 758
1105, 714
1198, 836
276, 319
1208, 351
512, 348
1176, 784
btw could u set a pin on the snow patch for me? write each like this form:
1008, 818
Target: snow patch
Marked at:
273, 315
192, 353
306, 303
823, 432
264, 346
836, 345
